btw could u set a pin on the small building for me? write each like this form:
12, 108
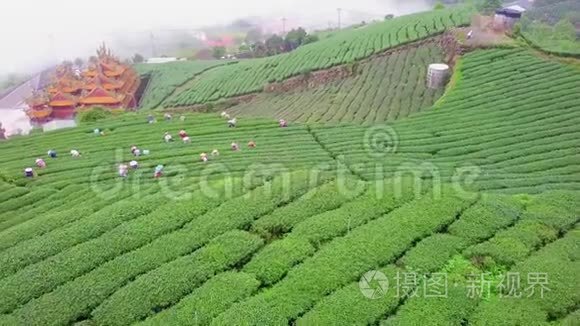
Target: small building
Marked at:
161, 60
505, 18
526, 4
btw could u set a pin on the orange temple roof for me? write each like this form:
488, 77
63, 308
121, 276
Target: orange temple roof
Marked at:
99, 96
106, 83
90, 73
66, 85
61, 99
39, 113
37, 100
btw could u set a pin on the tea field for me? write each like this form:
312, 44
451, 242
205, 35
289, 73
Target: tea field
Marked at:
385, 88
346, 47
381, 202
166, 77
512, 119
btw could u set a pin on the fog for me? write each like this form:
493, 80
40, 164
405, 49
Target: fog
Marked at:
36, 33
14, 121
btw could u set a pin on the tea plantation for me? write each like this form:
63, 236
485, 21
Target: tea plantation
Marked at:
381, 203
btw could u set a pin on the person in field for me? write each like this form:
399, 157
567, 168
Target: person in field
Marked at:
182, 118
158, 171
29, 172
283, 123
40, 163
97, 131
75, 153
137, 152
150, 119
235, 147
52, 153
225, 115
232, 123
168, 117
215, 152
134, 165
252, 144
167, 137
123, 170
133, 149
184, 137
203, 157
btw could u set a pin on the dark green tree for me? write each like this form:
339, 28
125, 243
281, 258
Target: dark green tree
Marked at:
275, 45
218, 52
439, 6
244, 48
564, 30
259, 50
295, 38
487, 7
79, 62
137, 58
254, 35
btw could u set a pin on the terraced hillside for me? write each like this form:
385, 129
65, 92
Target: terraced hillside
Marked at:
384, 88
280, 252
100, 155
553, 27
356, 223
252, 76
165, 78
512, 117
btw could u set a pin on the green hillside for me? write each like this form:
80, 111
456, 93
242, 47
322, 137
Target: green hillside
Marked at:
165, 77
381, 202
384, 88
553, 27
512, 116
348, 46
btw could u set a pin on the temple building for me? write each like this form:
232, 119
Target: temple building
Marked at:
105, 82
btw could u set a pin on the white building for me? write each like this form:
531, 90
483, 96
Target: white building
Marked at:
161, 60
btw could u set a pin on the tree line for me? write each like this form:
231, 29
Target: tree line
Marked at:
257, 46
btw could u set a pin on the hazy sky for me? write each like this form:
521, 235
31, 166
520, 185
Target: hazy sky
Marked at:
34, 32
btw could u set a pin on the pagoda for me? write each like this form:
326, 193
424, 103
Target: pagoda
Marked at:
105, 82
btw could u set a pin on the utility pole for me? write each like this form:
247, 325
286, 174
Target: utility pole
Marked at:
283, 25
339, 10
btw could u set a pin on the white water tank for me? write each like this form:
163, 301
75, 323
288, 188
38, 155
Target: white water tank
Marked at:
437, 75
